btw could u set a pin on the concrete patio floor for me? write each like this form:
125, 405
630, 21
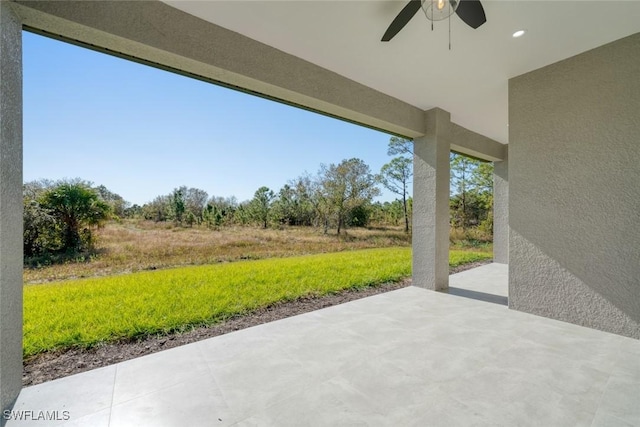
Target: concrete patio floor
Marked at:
409, 357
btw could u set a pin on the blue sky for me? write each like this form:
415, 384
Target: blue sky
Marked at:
142, 132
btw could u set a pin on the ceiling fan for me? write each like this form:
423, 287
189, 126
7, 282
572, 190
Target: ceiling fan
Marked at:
470, 11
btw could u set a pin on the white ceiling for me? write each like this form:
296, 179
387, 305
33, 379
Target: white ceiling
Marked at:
470, 80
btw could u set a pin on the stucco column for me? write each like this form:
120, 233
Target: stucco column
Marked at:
431, 203
501, 210
10, 205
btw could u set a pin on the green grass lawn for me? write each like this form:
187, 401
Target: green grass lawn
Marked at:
89, 311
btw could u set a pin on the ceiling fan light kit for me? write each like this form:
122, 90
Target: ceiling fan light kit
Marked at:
470, 12
437, 10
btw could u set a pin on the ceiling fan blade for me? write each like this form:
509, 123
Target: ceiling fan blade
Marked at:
471, 12
402, 19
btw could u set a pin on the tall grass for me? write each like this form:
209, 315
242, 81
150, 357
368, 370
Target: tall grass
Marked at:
471, 238
89, 311
134, 245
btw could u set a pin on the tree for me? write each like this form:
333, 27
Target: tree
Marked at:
190, 218
115, 201
33, 190
223, 211
212, 216
284, 206
360, 215
471, 191
75, 205
461, 170
134, 211
482, 180
178, 204
396, 177
308, 199
260, 205
400, 147
41, 232
181, 205
242, 215
195, 201
387, 213
159, 210
345, 187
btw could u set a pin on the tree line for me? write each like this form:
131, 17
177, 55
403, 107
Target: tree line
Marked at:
338, 196
59, 216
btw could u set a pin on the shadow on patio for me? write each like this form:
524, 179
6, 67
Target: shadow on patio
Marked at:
406, 357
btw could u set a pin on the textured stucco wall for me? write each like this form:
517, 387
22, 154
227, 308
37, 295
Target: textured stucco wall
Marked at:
574, 178
10, 205
430, 232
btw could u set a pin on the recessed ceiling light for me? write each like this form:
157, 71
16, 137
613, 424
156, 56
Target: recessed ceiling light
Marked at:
519, 33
